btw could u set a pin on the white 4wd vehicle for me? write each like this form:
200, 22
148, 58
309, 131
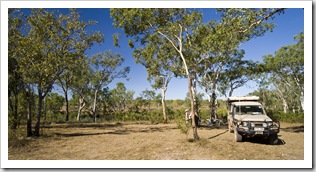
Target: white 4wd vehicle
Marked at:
247, 118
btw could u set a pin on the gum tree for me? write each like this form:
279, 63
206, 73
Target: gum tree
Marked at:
286, 68
105, 69
16, 84
166, 27
80, 85
202, 48
161, 66
218, 42
52, 43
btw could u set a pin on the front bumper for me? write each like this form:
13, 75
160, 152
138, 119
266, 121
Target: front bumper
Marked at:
250, 132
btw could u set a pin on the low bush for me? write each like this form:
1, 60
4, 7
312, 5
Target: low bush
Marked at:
182, 125
222, 113
289, 117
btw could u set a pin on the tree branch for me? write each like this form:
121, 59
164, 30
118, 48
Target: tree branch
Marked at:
172, 43
258, 22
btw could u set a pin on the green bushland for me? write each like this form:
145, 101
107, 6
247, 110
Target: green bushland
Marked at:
222, 113
182, 125
289, 117
153, 116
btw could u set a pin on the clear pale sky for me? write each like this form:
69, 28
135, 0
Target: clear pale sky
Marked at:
288, 25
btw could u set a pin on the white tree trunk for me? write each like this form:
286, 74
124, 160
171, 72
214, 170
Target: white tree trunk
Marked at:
163, 92
81, 106
302, 100
95, 106
285, 106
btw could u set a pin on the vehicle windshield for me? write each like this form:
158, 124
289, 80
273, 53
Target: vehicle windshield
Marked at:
253, 110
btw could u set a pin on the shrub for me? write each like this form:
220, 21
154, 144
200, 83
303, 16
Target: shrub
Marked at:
204, 114
170, 113
182, 125
155, 117
221, 113
286, 117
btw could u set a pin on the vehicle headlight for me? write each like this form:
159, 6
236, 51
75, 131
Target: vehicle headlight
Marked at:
245, 124
264, 125
252, 125
269, 124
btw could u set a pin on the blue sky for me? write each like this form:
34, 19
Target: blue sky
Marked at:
287, 25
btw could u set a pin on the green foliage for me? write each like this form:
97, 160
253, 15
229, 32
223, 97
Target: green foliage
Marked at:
183, 125
283, 88
198, 50
116, 39
221, 113
148, 96
55, 117
48, 45
204, 114
156, 117
287, 117
286, 69
105, 69
120, 97
176, 103
54, 102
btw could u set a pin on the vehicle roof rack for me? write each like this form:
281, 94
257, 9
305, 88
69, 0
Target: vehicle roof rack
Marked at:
241, 99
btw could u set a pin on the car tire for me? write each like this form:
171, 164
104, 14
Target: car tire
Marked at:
273, 139
238, 137
230, 128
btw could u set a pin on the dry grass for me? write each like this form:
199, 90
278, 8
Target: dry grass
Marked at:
130, 141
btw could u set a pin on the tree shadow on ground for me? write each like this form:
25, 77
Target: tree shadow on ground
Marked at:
120, 131
90, 134
213, 126
82, 125
296, 129
218, 135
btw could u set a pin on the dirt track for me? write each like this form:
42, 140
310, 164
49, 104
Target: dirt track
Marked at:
117, 141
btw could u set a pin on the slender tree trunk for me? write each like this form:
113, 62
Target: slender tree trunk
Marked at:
44, 109
213, 100
196, 108
95, 106
39, 113
214, 82
15, 113
302, 100
29, 98
81, 106
29, 121
67, 106
163, 91
285, 106
195, 133
281, 95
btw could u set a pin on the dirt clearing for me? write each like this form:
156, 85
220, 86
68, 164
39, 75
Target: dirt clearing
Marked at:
123, 141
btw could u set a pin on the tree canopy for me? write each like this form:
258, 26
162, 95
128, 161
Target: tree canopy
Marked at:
202, 48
